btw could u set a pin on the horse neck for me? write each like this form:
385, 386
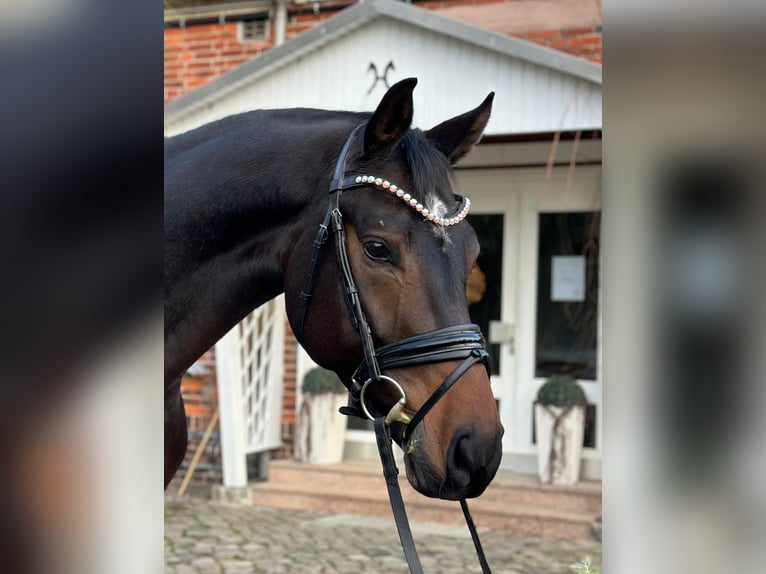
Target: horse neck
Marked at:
238, 202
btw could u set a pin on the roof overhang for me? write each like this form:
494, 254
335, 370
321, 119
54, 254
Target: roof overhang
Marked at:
360, 15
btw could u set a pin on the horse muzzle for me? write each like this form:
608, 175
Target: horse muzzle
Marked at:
472, 458
470, 464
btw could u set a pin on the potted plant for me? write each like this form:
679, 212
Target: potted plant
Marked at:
321, 429
559, 426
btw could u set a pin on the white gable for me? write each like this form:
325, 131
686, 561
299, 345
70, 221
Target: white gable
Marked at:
455, 72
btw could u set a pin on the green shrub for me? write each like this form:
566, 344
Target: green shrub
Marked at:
319, 380
560, 391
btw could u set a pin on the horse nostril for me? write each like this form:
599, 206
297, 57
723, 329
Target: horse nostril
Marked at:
472, 460
462, 457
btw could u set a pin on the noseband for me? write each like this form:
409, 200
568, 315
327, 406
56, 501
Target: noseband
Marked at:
457, 342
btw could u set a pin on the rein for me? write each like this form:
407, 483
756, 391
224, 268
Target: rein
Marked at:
457, 342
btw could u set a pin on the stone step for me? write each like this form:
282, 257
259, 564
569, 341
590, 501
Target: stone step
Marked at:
514, 504
506, 490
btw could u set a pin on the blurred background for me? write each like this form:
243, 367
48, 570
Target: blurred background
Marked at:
683, 293
621, 223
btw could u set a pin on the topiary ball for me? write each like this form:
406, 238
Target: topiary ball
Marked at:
319, 380
560, 391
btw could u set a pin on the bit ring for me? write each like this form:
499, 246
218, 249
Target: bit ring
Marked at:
401, 401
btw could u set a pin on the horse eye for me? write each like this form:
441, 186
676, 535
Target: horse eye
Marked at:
377, 250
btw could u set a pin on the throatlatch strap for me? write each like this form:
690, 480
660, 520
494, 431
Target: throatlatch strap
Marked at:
390, 472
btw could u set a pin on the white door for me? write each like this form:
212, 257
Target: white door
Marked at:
532, 223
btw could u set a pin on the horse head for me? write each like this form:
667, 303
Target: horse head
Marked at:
410, 254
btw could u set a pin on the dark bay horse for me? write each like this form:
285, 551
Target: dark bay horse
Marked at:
244, 197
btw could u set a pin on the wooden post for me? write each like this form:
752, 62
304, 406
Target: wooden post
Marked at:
198, 453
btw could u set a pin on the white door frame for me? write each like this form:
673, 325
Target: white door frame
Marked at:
488, 190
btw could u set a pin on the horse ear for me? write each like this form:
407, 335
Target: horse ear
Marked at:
455, 137
391, 120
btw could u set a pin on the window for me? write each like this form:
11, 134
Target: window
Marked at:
253, 30
567, 295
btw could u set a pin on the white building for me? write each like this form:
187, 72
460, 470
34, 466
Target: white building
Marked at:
534, 180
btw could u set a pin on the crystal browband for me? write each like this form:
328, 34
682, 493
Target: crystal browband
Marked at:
418, 206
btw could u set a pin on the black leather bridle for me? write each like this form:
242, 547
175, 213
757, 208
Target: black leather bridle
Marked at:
458, 342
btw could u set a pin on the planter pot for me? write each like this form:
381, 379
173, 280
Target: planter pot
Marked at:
559, 443
321, 429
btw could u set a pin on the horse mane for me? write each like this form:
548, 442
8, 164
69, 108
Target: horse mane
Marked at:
259, 120
429, 168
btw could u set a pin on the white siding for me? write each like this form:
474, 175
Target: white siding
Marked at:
453, 77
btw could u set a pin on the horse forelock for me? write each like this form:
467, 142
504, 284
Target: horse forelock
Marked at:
430, 171
429, 167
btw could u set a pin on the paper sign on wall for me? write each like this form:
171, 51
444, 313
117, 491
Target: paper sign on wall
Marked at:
568, 278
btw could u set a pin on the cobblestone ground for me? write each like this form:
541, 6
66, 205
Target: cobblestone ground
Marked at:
207, 537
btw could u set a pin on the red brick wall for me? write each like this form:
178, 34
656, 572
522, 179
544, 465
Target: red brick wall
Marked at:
200, 393
301, 19
194, 55
198, 53
585, 42
289, 389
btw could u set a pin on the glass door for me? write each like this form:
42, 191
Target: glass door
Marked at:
567, 310
559, 301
